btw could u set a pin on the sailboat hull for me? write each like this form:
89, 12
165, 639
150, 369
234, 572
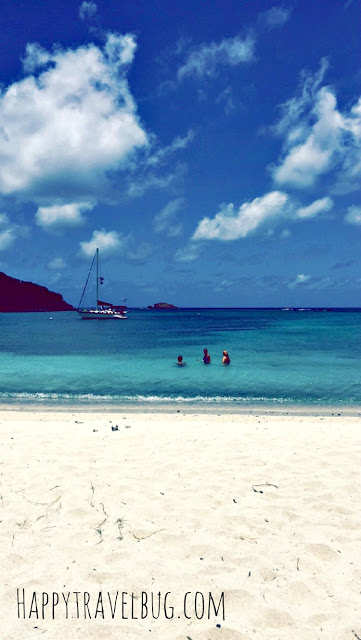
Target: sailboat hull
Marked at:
101, 314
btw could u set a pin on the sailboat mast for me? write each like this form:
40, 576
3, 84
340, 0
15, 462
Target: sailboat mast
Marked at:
97, 252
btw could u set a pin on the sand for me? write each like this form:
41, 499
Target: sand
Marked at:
253, 520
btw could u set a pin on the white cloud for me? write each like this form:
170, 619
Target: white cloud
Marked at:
301, 279
9, 232
275, 17
225, 285
353, 215
229, 224
35, 58
57, 263
166, 222
188, 254
106, 241
7, 237
350, 173
205, 59
305, 162
59, 217
315, 208
63, 130
293, 122
87, 10
179, 143
319, 139
120, 49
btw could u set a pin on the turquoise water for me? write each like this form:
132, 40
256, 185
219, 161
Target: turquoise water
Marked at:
277, 357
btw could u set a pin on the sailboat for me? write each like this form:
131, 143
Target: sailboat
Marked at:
102, 310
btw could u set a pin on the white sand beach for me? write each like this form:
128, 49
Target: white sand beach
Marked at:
262, 508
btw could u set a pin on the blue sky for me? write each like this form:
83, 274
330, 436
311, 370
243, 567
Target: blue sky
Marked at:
211, 150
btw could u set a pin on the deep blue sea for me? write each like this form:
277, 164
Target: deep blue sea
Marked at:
277, 358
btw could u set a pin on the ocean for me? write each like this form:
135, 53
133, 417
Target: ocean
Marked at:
277, 358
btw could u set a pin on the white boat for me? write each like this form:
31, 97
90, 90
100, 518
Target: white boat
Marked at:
102, 310
102, 313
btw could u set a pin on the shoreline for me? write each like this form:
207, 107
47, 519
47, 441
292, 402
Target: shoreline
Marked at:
187, 409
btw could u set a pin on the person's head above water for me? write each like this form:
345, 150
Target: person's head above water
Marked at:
180, 358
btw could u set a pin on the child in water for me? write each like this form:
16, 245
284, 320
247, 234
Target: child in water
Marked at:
225, 359
206, 357
180, 362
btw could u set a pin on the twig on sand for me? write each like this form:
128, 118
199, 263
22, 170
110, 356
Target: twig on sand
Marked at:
120, 522
246, 539
145, 537
23, 525
105, 513
265, 484
99, 529
92, 498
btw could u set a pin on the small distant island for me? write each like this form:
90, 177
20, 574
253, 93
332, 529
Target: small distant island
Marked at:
19, 296
162, 305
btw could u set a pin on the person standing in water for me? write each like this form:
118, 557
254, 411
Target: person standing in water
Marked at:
226, 359
206, 357
180, 362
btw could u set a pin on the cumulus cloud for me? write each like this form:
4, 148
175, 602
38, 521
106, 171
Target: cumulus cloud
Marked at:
301, 279
306, 161
230, 224
107, 242
318, 138
353, 215
59, 217
166, 220
315, 208
120, 49
57, 264
205, 59
266, 213
68, 123
275, 17
87, 10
